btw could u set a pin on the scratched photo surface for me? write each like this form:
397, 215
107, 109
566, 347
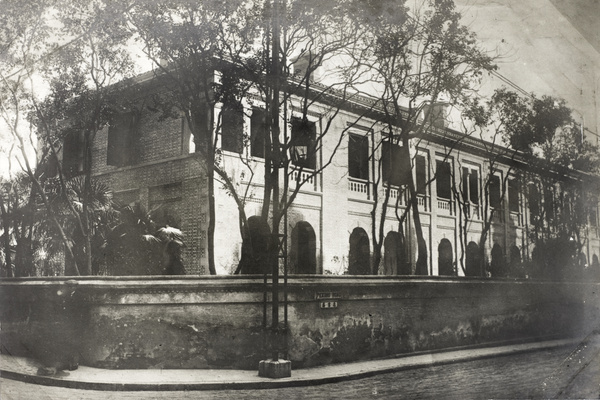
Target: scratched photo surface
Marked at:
297, 198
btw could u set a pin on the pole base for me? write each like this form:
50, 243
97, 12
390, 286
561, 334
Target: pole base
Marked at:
275, 369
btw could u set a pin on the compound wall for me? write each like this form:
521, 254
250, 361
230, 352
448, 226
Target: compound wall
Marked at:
219, 322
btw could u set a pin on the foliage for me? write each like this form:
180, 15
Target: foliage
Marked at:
137, 244
542, 132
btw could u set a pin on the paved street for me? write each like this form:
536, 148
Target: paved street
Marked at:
527, 375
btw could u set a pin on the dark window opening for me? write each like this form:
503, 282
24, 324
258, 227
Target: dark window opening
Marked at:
73, 154
474, 186
232, 127
533, 200
126, 197
495, 191
470, 181
49, 165
258, 132
593, 211
444, 179
202, 135
465, 184
421, 174
395, 168
513, 195
121, 150
358, 157
549, 204
303, 146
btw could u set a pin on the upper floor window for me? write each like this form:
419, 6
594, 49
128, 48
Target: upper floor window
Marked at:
421, 174
495, 191
593, 211
121, 149
232, 127
395, 167
72, 154
470, 183
513, 195
303, 143
358, 156
444, 179
549, 203
258, 132
533, 200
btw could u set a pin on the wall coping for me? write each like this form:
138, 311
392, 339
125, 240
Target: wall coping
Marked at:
253, 279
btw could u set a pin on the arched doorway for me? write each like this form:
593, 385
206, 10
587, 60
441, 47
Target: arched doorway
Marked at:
394, 256
255, 247
515, 269
594, 269
497, 266
445, 258
304, 249
359, 259
473, 260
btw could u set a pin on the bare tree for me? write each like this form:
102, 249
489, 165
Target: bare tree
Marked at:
418, 58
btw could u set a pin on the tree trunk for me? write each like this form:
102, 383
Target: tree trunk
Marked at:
422, 254
87, 193
210, 234
210, 167
6, 224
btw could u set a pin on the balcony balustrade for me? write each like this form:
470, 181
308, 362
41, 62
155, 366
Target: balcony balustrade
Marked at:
498, 216
423, 202
359, 188
516, 218
445, 207
305, 177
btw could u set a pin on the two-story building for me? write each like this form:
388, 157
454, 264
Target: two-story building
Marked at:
346, 184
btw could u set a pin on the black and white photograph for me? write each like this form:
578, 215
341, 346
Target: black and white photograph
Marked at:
299, 199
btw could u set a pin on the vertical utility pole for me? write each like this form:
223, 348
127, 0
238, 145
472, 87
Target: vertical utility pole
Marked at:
275, 368
275, 109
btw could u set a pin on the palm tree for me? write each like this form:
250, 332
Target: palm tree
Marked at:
137, 246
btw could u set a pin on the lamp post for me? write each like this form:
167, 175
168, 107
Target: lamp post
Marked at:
274, 367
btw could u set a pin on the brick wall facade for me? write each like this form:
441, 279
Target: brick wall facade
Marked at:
164, 175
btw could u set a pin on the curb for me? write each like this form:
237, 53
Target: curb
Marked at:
268, 383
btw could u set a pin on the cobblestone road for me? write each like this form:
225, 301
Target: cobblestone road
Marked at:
521, 376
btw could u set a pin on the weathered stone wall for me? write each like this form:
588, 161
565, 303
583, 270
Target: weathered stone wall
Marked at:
217, 322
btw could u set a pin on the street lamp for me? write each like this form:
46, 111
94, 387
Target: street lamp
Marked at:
299, 153
275, 368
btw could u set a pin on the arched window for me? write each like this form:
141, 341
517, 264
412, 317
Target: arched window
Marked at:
255, 254
498, 266
445, 258
304, 249
394, 257
473, 260
359, 259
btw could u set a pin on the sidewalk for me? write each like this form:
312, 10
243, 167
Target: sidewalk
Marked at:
23, 369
